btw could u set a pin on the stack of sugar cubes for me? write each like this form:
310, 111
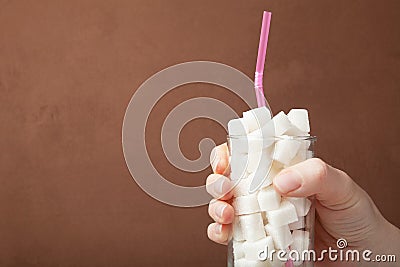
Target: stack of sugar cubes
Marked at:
263, 146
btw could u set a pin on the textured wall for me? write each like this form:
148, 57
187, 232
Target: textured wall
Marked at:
69, 68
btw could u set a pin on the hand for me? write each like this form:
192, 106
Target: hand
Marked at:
344, 210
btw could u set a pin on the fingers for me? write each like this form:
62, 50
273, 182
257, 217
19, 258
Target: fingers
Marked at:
221, 211
219, 186
331, 186
219, 159
219, 233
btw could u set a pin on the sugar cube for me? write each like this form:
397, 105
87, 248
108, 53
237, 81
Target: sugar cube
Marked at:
299, 118
254, 250
239, 262
280, 234
256, 118
284, 215
246, 204
285, 150
301, 241
275, 168
245, 144
300, 157
238, 164
281, 123
242, 187
266, 133
238, 249
268, 199
275, 262
237, 232
302, 205
252, 226
263, 175
294, 131
259, 162
300, 224
237, 127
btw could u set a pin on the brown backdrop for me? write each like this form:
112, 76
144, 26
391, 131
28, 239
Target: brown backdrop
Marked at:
69, 68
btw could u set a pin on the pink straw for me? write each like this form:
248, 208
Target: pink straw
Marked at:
262, 50
258, 78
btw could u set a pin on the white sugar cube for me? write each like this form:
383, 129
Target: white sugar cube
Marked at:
239, 262
258, 162
256, 118
242, 187
300, 224
266, 133
238, 164
281, 235
254, 250
245, 144
237, 232
284, 215
237, 127
294, 131
263, 174
238, 249
302, 205
281, 123
246, 204
277, 262
268, 199
252, 226
299, 117
300, 157
276, 167
254, 160
301, 241
285, 150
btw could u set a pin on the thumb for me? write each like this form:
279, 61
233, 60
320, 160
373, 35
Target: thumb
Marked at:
330, 186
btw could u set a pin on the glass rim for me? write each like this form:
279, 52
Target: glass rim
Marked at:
282, 137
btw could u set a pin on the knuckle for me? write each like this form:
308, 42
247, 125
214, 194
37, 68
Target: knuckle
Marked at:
211, 179
320, 168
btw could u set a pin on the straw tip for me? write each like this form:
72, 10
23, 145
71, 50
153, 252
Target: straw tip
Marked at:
267, 13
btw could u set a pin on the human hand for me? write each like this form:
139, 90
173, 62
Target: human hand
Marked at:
344, 210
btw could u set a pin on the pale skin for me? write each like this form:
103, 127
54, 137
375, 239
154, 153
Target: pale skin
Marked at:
344, 210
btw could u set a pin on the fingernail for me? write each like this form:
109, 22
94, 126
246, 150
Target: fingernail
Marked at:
287, 181
214, 158
219, 187
218, 228
219, 210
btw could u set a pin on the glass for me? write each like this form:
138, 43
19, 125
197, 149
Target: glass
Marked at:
266, 223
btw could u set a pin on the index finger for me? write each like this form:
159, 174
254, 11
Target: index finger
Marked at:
219, 159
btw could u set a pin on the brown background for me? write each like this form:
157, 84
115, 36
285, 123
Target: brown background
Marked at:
69, 68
